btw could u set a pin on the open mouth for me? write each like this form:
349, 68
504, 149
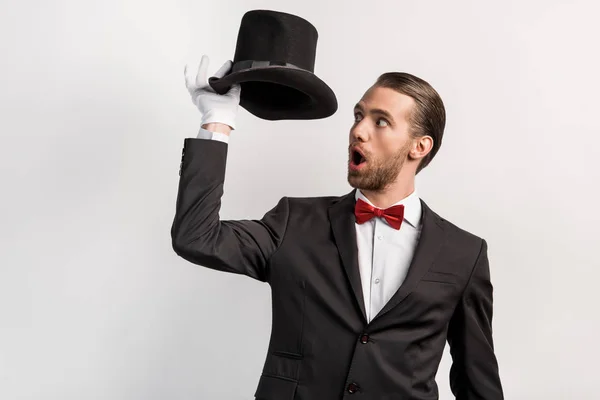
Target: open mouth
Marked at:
357, 158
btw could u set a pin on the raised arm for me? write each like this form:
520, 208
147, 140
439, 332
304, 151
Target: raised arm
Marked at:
198, 235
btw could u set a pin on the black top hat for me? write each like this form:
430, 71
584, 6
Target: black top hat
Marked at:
274, 65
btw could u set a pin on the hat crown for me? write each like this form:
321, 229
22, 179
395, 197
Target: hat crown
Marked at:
266, 35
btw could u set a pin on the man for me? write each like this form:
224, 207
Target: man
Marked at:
366, 287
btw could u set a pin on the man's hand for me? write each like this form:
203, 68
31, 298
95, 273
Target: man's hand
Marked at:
218, 110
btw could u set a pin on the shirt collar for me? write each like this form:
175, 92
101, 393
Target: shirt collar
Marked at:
412, 206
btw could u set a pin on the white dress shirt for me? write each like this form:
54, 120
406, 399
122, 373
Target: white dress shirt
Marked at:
204, 134
384, 253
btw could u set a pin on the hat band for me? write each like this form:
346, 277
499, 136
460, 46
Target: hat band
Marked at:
249, 64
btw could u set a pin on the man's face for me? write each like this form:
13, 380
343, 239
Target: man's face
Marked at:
379, 138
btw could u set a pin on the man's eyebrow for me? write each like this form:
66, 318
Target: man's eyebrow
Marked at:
376, 111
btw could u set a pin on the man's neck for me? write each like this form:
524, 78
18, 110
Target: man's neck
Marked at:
390, 195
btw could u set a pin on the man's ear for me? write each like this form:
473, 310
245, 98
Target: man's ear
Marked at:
420, 147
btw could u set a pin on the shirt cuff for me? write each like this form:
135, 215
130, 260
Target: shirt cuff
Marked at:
208, 135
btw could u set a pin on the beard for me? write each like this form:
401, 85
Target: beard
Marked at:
379, 173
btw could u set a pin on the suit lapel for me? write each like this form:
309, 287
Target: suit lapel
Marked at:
430, 243
433, 237
341, 216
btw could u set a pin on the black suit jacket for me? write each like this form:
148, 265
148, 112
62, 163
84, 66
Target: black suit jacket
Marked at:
321, 346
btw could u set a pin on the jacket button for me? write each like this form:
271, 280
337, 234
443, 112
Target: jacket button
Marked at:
364, 339
353, 388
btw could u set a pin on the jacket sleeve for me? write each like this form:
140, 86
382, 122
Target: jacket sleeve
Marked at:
474, 372
199, 236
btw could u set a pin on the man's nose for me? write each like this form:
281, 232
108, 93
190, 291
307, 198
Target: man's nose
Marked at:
358, 132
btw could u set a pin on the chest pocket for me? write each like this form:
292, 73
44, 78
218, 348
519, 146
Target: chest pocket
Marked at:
435, 297
440, 277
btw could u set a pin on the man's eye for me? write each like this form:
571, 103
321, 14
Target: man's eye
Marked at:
356, 116
382, 120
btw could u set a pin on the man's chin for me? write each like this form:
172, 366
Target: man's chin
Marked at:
355, 179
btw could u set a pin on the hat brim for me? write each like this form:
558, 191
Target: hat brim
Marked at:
279, 92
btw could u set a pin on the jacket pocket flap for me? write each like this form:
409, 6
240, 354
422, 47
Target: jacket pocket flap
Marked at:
275, 388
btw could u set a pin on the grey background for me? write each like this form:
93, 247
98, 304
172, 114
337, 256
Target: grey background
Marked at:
94, 304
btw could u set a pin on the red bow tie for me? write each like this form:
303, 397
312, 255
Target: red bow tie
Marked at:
393, 215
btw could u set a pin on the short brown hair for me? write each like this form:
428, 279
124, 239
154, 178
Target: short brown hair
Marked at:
429, 115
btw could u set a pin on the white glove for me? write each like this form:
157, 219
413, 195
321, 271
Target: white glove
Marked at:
221, 108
